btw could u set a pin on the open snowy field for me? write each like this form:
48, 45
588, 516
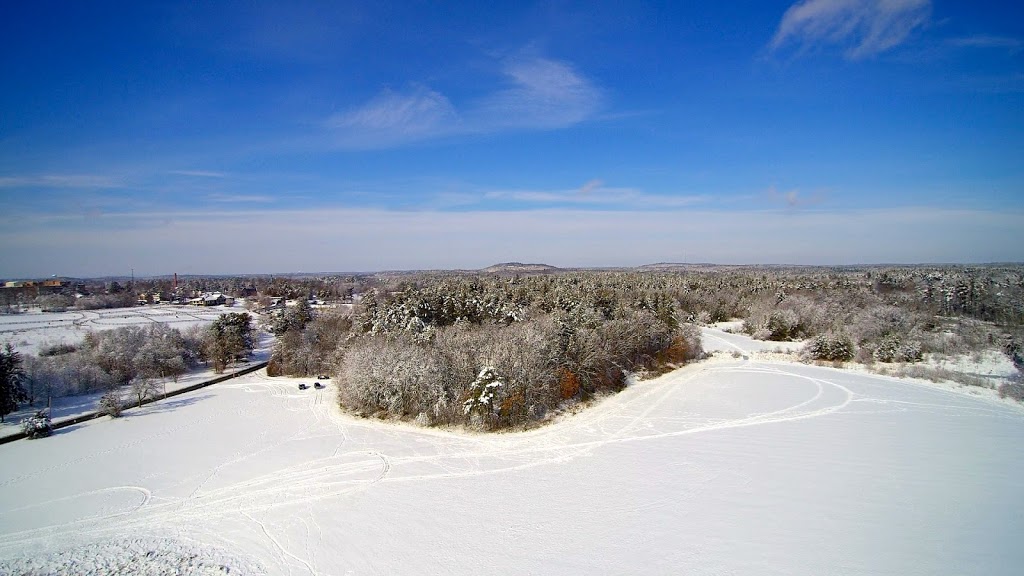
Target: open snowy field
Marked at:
730, 466
34, 330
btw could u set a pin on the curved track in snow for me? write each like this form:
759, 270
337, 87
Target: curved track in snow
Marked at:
729, 466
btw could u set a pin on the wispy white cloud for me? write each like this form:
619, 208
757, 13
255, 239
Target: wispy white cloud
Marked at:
393, 118
542, 94
863, 28
545, 94
794, 198
987, 41
590, 186
594, 193
61, 181
240, 198
198, 173
473, 239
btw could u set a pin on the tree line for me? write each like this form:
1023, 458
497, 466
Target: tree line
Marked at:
424, 346
427, 348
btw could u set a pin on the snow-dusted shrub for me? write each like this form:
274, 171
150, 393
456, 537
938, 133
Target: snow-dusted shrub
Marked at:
397, 377
111, 404
893, 349
112, 358
685, 346
143, 388
274, 367
829, 346
1013, 389
779, 324
877, 321
1014, 351
38, 425
523, 355
308, 351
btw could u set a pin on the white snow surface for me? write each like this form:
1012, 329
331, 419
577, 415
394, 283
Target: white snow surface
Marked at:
34, 330
728, 466
67, 407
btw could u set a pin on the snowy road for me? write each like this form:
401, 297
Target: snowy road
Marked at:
726, 467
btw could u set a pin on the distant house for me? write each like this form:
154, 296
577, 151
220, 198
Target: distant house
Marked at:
215, 299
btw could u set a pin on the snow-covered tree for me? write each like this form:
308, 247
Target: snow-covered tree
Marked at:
229, 337
483, 392
12, 393
110, 404
835, 347
38, 425
143, 388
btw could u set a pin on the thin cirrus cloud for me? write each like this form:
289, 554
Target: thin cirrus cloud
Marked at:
595, 194
794, 199
988, 41
180, 241
61, 181
541, 94
240, 198
198, 173
863, 28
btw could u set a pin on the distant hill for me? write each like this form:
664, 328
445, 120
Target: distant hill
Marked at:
666, 266
518, 268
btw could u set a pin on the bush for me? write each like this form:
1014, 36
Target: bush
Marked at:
58, 350
829, 346
396, 377
274, 367
37, 425
1013, 389
893, 349
111, 404
686, 346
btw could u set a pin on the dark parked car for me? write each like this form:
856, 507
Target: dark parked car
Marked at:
302, 386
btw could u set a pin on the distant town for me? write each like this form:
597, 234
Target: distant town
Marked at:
30, 289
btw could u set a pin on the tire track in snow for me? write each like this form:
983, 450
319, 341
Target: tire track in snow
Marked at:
341, 474
278, 545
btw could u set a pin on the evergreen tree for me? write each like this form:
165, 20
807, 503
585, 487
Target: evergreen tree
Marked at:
12, 393
229, 337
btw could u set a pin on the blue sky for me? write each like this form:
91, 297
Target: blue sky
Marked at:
254, 137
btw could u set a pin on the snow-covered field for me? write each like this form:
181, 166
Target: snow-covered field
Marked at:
30, 332
34, 330
729, 466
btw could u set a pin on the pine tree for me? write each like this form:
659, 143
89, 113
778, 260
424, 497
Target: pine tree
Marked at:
230, 336
482, 392
12, 393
